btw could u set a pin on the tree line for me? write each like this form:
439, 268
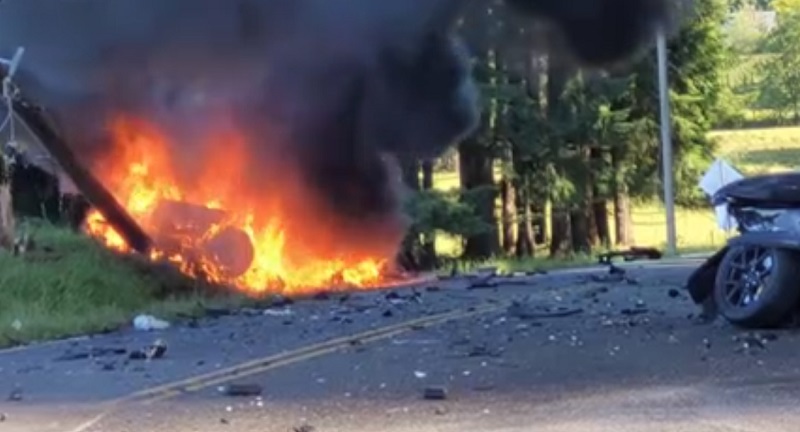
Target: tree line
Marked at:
567, 144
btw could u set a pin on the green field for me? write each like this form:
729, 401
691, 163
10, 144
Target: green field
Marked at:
752, 151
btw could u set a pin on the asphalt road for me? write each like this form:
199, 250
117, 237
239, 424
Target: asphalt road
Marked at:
574, 353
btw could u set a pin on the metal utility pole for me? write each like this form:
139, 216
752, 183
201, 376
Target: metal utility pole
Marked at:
666, 142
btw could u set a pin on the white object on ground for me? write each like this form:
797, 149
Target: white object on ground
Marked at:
719, 174
278, 312
148, 323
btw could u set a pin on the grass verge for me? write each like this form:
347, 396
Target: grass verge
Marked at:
68, 285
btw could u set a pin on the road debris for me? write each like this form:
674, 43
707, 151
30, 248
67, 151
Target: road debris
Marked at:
16, 394
750, 343
152, 352
673, 293
322, 296
149, 323
285, 312
434, 393
94, 352
304, 428
3, 417
634, 311
420, 374
213, 312
526, 312
241, 390
482, 282
484, 351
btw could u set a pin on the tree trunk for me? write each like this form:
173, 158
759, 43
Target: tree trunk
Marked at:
580, 221
561, 240
584, 230
526, 241
476, 170
622, 219
427, 174
429, 258
410, 253
600, 210
509, 198
622, 203
559, 72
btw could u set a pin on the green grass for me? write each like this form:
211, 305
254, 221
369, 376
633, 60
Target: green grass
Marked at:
68, 285
753, 151
760, 151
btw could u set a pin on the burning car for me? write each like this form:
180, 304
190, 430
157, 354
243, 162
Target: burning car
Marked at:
754, 281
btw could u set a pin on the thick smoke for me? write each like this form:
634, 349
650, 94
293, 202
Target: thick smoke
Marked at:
331, 85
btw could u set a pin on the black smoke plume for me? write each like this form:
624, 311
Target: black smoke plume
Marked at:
330, 85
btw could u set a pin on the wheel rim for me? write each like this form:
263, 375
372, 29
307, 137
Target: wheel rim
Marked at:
748, 276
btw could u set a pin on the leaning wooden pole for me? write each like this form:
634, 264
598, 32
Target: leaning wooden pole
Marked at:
94, 191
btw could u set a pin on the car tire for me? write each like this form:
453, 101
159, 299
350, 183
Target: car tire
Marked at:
778, 298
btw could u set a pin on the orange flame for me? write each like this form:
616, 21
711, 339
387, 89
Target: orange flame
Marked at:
294, 246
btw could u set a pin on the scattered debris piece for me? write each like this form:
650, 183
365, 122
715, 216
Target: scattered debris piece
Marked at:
632, 254
634, 311
278, 312
3, 417
420, 374
16, 394
93, 352
213, 312
614, 270
149, 323
152, 352
304, 428
388, 313
484, 351
156, 350
482, 282
322, 295
276, 301
241, 390
607, 278
433, 288
525, 312
137, 355
595, 292
392, 296
673, 293
435, 393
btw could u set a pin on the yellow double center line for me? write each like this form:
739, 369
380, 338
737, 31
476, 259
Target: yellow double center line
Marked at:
254, 367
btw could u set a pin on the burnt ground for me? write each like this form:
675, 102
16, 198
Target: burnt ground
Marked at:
622, 355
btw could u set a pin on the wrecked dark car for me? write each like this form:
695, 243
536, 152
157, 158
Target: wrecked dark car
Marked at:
754, 281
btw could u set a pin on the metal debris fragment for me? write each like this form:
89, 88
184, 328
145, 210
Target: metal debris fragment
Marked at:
435, 393
241, 390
